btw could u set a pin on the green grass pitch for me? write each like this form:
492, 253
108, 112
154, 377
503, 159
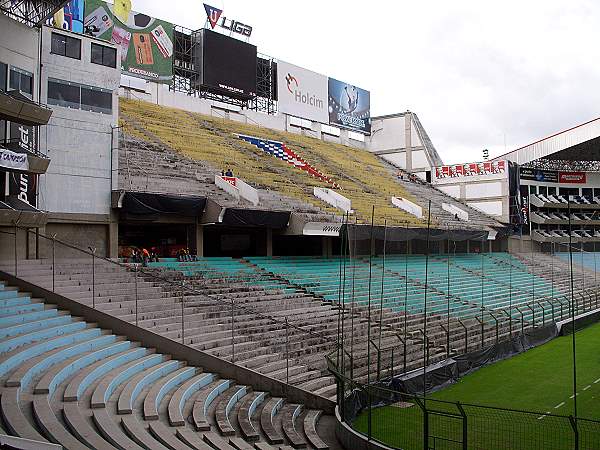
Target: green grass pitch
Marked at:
539, 380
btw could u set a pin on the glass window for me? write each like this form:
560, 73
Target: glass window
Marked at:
3, 76
65, 46
22, 81
543, 190
95, 99
104, 56
532, 189
63, 93
551, 190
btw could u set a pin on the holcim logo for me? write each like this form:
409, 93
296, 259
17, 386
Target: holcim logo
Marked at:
300, 96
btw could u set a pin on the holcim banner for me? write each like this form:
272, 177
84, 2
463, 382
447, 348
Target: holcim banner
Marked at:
302, 93
12, 160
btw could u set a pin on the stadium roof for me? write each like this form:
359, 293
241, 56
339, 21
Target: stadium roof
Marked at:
581, 143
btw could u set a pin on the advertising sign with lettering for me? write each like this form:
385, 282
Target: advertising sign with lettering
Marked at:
301, 92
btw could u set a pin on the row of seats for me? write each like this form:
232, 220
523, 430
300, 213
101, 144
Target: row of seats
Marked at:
64, 380
558, 233
284, 152
363, 177
264, 292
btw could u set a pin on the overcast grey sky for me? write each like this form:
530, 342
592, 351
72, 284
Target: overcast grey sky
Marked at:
477, 73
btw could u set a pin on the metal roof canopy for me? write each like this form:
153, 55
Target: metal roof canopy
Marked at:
31, 12
581, 143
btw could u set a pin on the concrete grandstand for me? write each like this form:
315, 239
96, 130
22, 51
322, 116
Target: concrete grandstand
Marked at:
179, 264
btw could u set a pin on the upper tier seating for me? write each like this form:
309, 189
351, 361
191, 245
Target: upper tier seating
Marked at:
80, 386
363, 177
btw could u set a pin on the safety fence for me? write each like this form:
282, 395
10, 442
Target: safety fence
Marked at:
412, 422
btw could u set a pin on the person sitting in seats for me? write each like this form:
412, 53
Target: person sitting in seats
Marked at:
229, 173
145, 257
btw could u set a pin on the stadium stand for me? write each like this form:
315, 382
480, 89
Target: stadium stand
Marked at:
265, 291
66, 380
212, 143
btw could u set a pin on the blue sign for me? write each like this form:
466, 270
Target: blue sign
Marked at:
349, 106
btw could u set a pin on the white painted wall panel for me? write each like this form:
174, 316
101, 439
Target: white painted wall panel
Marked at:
482, 190
493, 208
452, 191
419, 160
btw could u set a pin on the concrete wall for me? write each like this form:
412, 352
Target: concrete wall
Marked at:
19, 47
80, 144
488, 193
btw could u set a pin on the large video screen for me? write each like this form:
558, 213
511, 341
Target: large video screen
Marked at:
228, 65
349, 106
146, 43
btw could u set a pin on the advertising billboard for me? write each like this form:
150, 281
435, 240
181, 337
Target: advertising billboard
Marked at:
228, 65
301, 92
549, 176
146, 43
349, 106
70, 17
572, 177
471, 169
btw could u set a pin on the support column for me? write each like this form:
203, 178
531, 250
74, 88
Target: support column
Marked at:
113, 235
408, 140
269, 242
199, 240
326, 245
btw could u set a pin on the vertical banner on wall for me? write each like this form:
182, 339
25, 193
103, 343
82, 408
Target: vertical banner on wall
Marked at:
146, 43
349, 106
22, 184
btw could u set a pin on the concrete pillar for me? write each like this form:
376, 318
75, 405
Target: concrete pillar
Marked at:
269, 242
408, 140
199, 240
326, 245
113, 235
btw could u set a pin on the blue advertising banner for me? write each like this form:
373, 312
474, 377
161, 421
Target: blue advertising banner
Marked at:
349, 106
70, 17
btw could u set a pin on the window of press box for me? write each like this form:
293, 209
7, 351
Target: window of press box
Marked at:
64, 45
63, 93
73, 95
104, 56
3, 76
22, 81
96, 100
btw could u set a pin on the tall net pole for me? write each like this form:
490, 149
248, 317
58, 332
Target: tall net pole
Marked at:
369, 320
448, 294
425, 305
382, 295
572, 311
405, 298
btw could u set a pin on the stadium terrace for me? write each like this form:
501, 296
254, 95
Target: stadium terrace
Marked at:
205, 247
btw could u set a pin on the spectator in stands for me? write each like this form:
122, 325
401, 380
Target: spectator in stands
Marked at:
153, 255
229, 173
145, 257
222, 173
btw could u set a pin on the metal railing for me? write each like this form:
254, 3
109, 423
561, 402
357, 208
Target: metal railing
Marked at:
422, 423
